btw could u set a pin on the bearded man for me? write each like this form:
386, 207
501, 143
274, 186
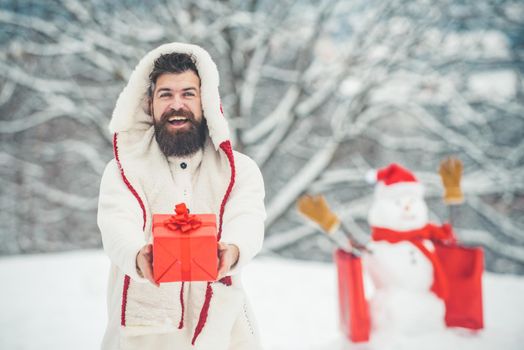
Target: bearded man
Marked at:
171, 145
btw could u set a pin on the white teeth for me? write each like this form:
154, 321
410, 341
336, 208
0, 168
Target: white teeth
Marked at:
177, 119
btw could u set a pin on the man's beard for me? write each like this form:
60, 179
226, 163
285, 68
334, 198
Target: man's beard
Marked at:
180, 143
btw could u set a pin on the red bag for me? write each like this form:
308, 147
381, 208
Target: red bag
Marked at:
353, 306
463, 267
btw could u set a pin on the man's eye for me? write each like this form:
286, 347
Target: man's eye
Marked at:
165, 94
189, 94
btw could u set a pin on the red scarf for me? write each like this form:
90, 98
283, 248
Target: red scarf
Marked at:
432, 232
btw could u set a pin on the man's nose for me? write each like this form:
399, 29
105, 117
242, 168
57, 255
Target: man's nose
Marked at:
176, 104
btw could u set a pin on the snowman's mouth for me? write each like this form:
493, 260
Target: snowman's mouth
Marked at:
408, 217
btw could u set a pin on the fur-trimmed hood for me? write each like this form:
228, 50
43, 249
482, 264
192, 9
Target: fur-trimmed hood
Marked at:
131, 110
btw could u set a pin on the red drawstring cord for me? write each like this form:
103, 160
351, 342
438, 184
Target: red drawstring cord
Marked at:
127, 279
226, 147
181, 323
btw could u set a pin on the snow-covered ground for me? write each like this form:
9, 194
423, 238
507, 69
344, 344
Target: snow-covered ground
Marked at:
57, 301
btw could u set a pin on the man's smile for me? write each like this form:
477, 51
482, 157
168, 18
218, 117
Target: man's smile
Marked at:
178, 121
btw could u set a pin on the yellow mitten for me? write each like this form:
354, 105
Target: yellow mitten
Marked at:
316, 209
451, 171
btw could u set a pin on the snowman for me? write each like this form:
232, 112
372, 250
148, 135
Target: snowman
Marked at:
409, 286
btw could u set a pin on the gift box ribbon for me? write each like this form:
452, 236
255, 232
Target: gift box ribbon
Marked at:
182, 221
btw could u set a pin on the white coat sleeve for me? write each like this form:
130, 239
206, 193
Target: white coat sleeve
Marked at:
120, 221
244, 214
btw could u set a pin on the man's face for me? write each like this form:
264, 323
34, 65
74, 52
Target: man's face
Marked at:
180, 128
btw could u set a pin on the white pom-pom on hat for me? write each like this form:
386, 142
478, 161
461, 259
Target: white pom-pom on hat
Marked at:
371, 176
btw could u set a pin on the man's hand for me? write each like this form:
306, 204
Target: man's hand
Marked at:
227, 258
144, 263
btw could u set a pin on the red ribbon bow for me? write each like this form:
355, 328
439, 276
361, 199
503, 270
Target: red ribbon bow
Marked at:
182, 221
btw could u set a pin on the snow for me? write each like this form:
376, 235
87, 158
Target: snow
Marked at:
494, 85
57, 301
350, 87
487, 44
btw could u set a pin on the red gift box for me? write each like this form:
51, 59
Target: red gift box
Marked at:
184, 247
353, 307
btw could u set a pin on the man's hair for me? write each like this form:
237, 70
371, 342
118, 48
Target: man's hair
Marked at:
170, 63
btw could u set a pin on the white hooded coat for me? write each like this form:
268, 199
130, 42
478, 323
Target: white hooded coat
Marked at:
140, 182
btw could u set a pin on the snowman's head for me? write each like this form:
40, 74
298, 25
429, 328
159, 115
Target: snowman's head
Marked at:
399, 201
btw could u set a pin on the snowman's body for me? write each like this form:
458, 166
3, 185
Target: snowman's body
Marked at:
402, 300
402, 275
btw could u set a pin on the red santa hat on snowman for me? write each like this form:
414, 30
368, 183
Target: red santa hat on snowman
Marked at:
394, 181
